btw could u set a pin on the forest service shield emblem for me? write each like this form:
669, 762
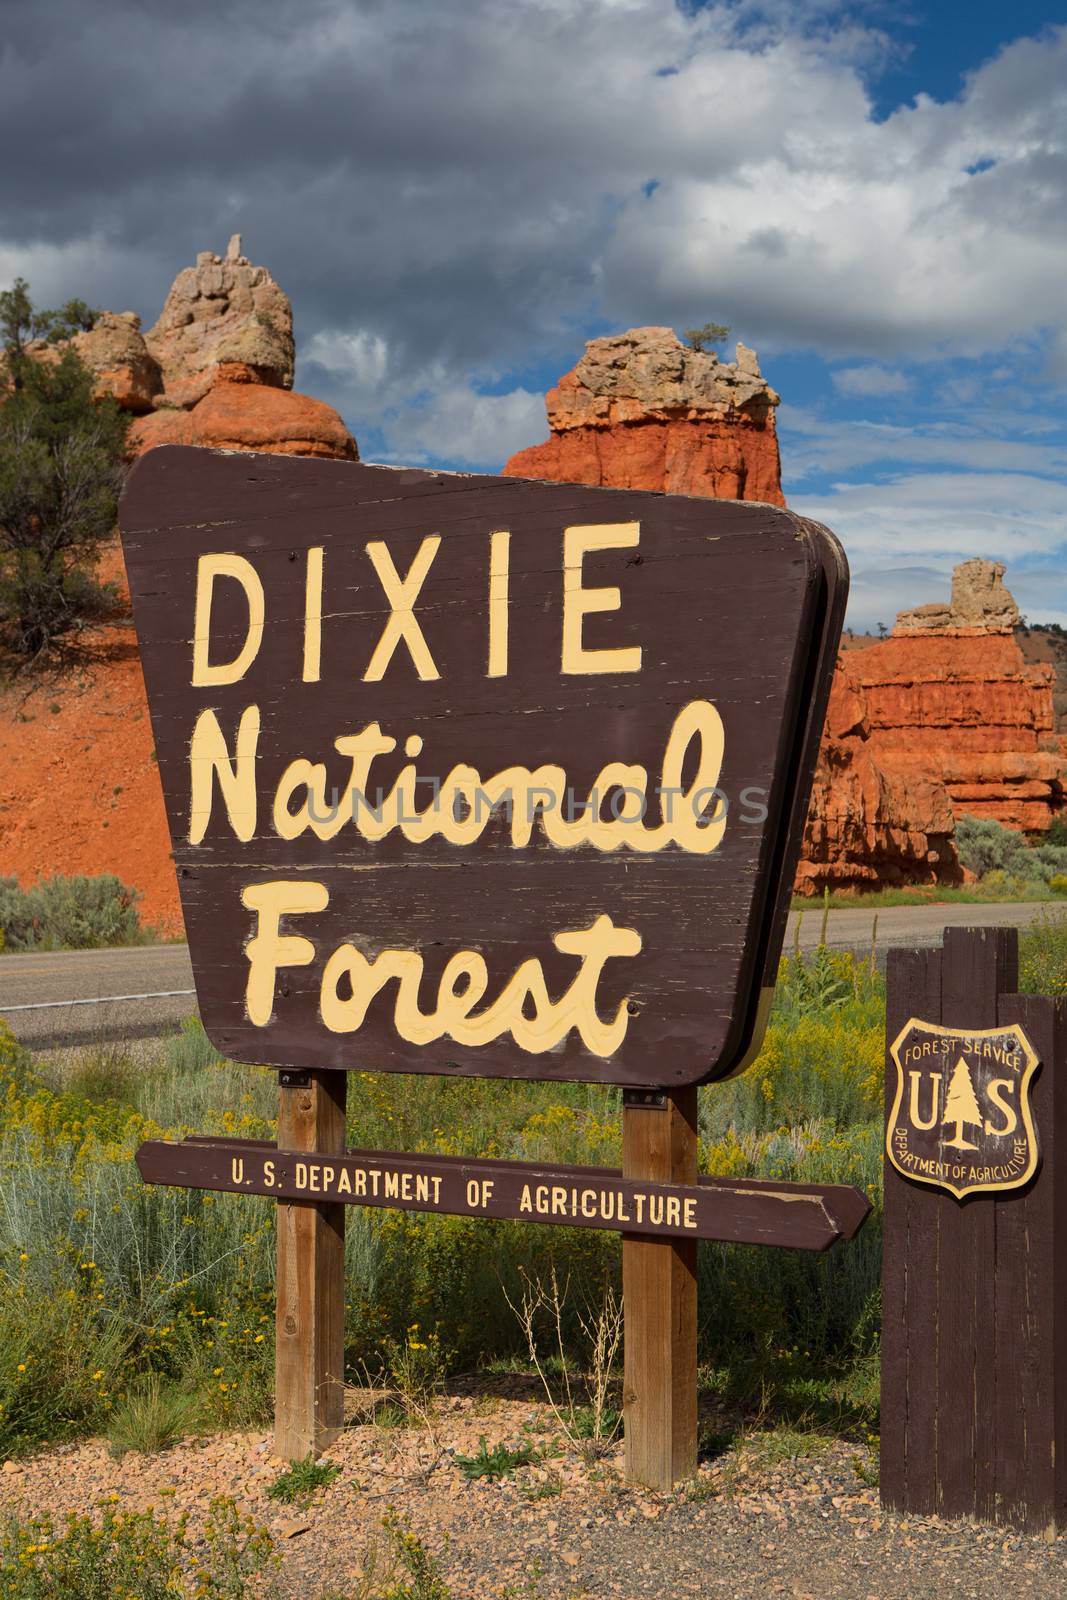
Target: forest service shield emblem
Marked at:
961, 1116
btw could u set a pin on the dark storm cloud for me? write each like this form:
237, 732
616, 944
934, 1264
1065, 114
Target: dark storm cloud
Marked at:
456, 190
401, 168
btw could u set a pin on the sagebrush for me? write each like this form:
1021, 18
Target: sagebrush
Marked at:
69, 913
987, 847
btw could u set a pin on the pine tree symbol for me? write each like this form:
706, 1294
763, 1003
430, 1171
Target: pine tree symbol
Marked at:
961, 1106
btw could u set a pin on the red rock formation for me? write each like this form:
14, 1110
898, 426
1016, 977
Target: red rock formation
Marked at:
249, 416
943, 718
80, 792
224, 348
869, 825
641, 411
967, 707
215, 370
117, 355
79, 786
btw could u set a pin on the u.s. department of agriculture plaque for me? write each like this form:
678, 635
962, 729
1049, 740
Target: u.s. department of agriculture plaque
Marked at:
961, 1116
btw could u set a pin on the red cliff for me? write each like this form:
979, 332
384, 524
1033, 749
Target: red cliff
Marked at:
869, 824
952, 692
945, 717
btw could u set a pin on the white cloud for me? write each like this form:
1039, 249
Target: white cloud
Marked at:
1004, 516
453, 191
870, 380
813, 444
474, 430
427, 415
811, 221
904, 536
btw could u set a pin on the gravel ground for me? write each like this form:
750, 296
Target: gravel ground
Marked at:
757, 1523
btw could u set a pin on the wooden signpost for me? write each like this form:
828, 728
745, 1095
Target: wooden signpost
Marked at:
476, 776
974, 1339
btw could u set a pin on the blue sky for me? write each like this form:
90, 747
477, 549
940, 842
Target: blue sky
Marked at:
457, 193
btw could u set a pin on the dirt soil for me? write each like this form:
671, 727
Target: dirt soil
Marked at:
753, 1526
79, 787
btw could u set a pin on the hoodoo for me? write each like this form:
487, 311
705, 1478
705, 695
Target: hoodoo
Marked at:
642, 411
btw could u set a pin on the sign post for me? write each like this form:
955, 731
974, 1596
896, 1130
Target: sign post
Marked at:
659, 1289
484, 777
309, 1360
974, 1347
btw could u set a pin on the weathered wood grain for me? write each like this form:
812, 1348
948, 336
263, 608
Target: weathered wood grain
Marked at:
793, 1216
909, 1272
310, 1294
1030, 1420
660, 1299
974, 1346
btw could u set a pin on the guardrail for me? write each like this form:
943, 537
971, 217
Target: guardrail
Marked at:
97, 1000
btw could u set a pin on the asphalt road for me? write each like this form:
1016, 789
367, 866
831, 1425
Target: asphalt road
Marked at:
153, 970
61, 976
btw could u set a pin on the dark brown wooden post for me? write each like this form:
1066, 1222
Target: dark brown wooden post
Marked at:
309, 1360
659, 1142
974, 1337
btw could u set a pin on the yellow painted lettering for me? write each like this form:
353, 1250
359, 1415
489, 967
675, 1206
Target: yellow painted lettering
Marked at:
269, 948
225, 565
997, 1089
579, 602
313, 616
499, 561
401, 594
209, 759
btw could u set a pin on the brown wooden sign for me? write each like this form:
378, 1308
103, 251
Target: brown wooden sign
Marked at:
472, 775
961, 1115
797, 1216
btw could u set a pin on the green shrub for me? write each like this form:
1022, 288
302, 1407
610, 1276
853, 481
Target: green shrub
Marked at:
61, 468
191, 1049
16, 916
152, 1416
116, 1280
822, 1058
1058, 883
74, 913
758, 1300
59, 1360
1043, 957
134, 1554
707, 336
303, 1477
986, 846
1057, 833
499, 1462
421, 1578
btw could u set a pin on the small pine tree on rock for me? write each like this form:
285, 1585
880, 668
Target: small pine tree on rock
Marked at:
705, 338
